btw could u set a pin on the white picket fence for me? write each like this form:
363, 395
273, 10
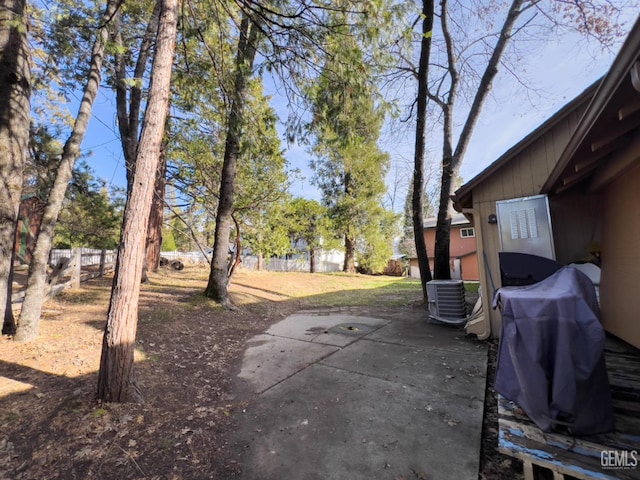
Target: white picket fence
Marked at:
89, 256
290, 265
185, 257
325, 262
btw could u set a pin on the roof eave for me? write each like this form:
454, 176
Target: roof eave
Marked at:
628, 55
465, 190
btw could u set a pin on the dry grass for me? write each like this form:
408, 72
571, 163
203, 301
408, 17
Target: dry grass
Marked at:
187, 348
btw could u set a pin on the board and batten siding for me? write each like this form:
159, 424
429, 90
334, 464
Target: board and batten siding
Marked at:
619, 288
522, 175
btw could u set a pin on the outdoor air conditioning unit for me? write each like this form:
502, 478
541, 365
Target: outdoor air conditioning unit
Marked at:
446, 302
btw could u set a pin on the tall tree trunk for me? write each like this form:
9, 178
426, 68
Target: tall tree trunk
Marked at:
36, 282
218, 281
236, 257
9, 322
128, 110
15, 106
451, 164
116, 380
312, 260
349, 265
349, 255
441, 268
156, 217
442, 260
417, 199
128, 107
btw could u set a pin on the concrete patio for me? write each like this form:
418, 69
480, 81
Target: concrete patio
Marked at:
337, 395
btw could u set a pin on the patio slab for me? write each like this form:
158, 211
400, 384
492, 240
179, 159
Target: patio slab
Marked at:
399, 398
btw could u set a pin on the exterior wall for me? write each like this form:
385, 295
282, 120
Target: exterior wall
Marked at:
462, 248
470, 270
458, 247
577, 226
619, 299
524, 175
414, 268
489, 275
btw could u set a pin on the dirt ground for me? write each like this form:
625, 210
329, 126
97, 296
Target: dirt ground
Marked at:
188, 350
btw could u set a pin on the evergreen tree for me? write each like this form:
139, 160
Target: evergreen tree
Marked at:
349, 166
91, 216
116, 380
309, 225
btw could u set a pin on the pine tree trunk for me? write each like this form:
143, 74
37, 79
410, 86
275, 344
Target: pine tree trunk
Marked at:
128, 94
418, 171
15, 96
156, 217
35, 294
218, 276
116, 381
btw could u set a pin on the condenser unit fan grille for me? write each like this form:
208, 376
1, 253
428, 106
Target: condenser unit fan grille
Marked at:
446, 301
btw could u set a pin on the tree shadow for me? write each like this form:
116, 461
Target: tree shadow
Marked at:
52, 427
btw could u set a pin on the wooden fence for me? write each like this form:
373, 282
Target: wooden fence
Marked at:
70, 268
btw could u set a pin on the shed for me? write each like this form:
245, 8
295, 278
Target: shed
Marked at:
586, 159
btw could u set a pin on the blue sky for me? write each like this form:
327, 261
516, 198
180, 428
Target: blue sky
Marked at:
558, 72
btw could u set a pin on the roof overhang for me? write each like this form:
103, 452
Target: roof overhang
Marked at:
606, 141
463, 197
457, 219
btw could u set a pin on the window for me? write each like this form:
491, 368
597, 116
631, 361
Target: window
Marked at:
467, 232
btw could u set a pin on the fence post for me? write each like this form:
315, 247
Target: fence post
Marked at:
77, 267
103, 256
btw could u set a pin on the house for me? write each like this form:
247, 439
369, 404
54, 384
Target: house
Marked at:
586, 160
462, 249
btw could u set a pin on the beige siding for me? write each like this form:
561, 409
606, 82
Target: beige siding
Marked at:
522, 176
551, 149
526, 180
491, 244
577, 225
619, 289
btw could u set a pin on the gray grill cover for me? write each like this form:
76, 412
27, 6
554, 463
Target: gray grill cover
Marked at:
551, 355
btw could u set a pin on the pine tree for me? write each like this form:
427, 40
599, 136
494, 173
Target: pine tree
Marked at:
349, 166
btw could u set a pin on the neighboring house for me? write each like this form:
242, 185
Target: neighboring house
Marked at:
462, 249
586, 159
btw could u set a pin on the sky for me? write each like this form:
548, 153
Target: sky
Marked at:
556, 72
